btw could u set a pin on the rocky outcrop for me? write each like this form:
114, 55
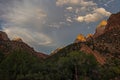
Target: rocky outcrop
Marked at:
113, 22
101, 59
89, 37
80, 38
100, 28
109, 41
17, 39
41, 55
104, 44
3, 36
7, 46
55, 51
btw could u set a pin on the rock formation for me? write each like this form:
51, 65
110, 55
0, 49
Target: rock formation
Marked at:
104, 44
3, 36
55, 51
113, 22
17, 39
109, 41
7, 46
100, 28
80, 38
89, 37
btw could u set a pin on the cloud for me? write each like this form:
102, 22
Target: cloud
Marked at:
66, 2
57, 25
28, 36
82, 10
75, 2
25, 20
96, 15
69, 8
110, 1
20, 13
69, 19
39, 23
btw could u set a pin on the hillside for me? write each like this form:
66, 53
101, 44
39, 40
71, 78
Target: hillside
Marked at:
104, 44
105, 41
7, 46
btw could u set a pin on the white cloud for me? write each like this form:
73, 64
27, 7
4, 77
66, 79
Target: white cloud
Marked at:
28, 36
57, 25
26, 20
102, 11
87, 3
69, 19
97, 14
82, 10
21, 13
69, 8
66, 2
110, 1
80, 19
75, 2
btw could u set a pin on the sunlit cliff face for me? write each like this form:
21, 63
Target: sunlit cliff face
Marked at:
89, 35
103, 23
80, 38
100, 28
17, 39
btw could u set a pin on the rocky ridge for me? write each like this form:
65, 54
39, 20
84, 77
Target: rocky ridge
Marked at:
3, 36
103, 44
7, 46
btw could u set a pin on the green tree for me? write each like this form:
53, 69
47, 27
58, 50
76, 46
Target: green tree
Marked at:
18, 63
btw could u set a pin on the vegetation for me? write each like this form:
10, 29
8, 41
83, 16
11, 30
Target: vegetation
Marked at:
18, 63
76, 65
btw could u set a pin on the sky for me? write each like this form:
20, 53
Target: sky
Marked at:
49, 24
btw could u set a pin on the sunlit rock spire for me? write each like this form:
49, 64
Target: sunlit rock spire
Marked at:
80, 38
100, 28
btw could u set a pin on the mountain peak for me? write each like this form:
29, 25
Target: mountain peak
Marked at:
17, 39
103, 23
7, 46
89, 36
100, 28
80, 38
105, 41
113, 22
3, 36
